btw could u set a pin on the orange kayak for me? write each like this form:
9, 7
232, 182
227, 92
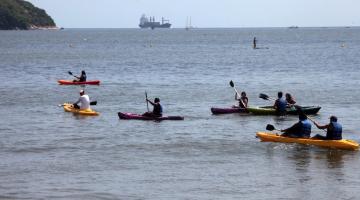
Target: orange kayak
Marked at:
336, 144
71, 82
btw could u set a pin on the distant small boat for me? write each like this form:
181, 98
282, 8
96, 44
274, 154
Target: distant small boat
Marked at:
293, 27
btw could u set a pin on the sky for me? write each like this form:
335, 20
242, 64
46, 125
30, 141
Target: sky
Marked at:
203, 13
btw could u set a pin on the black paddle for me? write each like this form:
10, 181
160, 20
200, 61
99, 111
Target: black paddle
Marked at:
271, 127
233, 86
93, 103
266, 97
69, 72
147, 103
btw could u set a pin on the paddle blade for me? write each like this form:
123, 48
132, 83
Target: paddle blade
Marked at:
270, 127
231, 83
93, 103
264, 96
70, 72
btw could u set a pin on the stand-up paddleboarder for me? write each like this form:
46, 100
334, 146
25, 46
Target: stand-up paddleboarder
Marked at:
254, 43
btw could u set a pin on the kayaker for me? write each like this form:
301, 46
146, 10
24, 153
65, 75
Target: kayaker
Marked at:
333, 130
289, 99
243, 100
301, 129
280, 105
157, 110
84, 101
82, 77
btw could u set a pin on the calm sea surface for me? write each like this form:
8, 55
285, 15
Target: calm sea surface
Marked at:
46, 153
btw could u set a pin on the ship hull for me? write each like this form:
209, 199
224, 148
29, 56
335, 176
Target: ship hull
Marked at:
152, 26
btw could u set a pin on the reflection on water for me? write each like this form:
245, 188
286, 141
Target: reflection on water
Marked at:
334, 158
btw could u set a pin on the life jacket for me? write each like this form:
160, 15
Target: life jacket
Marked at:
335, 133
157, 109
305, 128
281, 106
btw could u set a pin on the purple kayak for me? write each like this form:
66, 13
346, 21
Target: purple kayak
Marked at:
140, 117
233, 109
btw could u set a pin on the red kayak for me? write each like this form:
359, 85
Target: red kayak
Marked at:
233, 109
140, 117
71, 82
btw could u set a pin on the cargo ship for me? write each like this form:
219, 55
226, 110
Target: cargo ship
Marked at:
151, 23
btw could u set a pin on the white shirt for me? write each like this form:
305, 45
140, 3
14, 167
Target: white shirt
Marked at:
84, 101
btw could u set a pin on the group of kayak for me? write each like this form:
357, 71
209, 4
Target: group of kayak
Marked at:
298, 133
280, 107
82, 105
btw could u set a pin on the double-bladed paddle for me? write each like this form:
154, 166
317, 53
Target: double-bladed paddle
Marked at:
93, 103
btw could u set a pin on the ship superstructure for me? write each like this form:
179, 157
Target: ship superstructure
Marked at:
146, 22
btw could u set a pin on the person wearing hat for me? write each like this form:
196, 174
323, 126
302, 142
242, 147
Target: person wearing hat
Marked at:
333, 130
84, 101
301, 129
157, 110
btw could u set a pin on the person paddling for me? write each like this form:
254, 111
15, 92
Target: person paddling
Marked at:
243, 100
289, 99
280, 105
333, 130
84, 101
301, 129
82, 77
254, 43
157, 110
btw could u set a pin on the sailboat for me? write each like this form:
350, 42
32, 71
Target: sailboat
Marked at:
188, 23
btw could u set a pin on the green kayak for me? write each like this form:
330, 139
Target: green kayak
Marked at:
269, 110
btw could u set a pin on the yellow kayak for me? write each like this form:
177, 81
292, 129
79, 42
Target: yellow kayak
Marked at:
336, 144
68, 107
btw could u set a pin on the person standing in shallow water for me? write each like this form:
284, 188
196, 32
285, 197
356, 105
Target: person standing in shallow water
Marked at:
254, 43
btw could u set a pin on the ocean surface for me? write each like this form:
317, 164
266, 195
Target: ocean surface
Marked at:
46, 153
